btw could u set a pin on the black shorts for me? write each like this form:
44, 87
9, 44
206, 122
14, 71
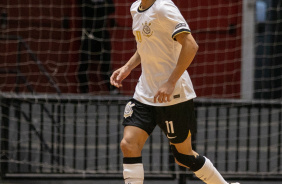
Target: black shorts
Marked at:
176, 121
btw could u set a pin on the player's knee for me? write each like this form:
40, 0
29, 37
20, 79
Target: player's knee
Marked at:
129, 148
194, 163
124, 145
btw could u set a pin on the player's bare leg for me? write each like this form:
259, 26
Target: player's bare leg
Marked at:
201, 166
131, 145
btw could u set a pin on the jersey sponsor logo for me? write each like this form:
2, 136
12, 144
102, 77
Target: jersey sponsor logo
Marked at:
147, 31
180, 25
176, 96
128, 111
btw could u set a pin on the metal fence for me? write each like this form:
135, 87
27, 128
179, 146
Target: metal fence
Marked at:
44, 136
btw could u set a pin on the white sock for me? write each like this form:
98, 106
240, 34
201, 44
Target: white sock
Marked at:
133, 173
209, 174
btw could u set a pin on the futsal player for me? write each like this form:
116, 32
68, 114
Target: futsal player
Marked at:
164, 93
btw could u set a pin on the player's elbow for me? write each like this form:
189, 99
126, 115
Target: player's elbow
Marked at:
195, 47
191, 43
188, 43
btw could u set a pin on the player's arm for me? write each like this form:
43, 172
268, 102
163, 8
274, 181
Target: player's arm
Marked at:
121, 73
187, 54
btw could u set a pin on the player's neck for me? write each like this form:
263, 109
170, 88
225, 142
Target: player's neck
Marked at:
146, 4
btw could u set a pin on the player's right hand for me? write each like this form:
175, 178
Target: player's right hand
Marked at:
118, 76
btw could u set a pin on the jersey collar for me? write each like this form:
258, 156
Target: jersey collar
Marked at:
140, 10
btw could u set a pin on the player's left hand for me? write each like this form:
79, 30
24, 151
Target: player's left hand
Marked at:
164, 93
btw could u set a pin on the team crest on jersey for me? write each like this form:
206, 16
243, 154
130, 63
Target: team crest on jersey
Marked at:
147, 29
128, 110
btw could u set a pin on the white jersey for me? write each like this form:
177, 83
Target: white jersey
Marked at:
155, 29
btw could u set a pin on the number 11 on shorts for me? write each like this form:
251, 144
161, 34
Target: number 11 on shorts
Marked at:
169, 126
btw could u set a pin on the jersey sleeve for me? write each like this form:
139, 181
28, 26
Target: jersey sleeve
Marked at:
172, 20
